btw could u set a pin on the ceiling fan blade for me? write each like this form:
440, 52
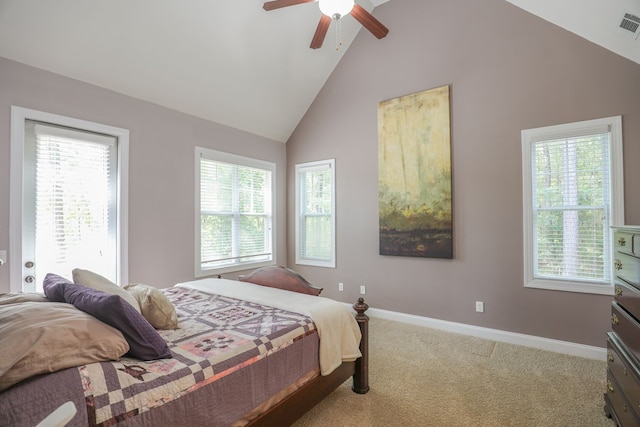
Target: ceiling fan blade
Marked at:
369, 21
321, 31
277, 4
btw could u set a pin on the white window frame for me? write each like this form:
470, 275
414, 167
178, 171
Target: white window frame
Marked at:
588, 127
220, 156
18, 117
300, 202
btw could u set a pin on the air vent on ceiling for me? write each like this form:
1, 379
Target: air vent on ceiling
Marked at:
630, 25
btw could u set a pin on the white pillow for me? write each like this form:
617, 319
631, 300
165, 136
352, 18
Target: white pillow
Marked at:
154, 306
95, 281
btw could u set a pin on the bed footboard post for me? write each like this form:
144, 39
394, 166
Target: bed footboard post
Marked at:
361, 376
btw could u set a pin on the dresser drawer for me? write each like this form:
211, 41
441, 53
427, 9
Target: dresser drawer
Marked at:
618, 402
626, 328
627, 268
624, 241
628, 296
624, 370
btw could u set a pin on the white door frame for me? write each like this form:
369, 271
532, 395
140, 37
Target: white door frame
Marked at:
16, 212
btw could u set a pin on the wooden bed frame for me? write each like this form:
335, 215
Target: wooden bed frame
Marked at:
287, 411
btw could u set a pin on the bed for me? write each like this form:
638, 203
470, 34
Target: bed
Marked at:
246, 352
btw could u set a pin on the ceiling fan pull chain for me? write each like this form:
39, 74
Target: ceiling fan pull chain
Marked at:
338, 31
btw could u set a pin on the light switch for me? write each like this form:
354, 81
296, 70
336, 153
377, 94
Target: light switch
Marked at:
3, 257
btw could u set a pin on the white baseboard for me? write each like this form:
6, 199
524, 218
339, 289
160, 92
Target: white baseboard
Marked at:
566, 347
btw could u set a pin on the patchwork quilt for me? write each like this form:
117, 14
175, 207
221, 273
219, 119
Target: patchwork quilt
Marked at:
218, 335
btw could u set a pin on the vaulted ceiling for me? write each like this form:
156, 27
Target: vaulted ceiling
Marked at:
228, 61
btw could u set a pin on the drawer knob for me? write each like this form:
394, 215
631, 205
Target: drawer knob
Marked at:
609, 386
610, 357
614, 319
618, 264
618, 290
622, 241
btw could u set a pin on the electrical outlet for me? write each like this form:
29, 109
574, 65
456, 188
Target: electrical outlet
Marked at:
479, 306
362, 290
341, 287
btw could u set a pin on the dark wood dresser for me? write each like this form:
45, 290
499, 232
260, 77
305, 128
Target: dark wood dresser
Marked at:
622, 398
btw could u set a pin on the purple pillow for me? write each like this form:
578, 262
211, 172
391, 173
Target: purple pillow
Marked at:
144, 341
54, 287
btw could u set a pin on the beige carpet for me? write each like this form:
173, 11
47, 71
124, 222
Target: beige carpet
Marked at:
427, 377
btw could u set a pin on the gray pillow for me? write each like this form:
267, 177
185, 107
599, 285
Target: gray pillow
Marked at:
16, 297
39, 338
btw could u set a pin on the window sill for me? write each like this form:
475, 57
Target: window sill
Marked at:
232, 268
325, 264
580, 287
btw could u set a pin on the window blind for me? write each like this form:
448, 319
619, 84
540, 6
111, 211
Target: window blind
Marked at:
571, 199
316, 222
235, 214
74, 200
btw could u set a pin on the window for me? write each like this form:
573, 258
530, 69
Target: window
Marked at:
67, 209
573, 193
235, 215
315, 213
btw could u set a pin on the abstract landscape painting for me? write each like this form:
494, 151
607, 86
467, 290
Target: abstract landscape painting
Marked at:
414, 175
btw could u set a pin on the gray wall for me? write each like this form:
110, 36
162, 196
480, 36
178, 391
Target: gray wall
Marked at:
508, 71
161, 159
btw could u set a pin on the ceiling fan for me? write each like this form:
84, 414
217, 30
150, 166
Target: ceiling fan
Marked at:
334, 10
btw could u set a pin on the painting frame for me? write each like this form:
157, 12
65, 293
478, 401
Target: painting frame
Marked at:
415, 175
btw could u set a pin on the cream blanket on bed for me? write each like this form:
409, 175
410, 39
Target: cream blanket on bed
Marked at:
337, 328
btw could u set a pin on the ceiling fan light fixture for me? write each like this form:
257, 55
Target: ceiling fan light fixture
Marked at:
336, 8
